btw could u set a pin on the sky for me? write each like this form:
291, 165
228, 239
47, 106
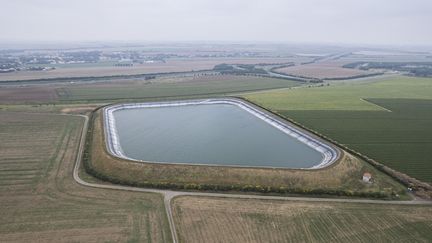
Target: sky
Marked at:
396, 22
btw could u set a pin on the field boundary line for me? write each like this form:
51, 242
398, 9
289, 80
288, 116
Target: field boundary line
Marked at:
381, 107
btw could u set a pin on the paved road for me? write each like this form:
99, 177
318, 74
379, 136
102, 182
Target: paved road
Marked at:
169, 194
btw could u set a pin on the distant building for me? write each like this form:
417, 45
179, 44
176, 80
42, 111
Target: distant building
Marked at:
7, 70
367, 177
124, 63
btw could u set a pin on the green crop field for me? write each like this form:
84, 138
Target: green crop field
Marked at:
345, 96
40, 201
247, 220
389, 120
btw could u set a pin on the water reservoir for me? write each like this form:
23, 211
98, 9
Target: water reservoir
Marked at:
210, 132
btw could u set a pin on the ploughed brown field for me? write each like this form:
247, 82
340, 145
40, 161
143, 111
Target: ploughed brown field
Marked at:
19, 94
323, 70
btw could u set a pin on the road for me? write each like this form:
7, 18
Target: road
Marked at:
169, 194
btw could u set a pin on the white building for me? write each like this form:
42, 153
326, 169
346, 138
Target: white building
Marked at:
367, 177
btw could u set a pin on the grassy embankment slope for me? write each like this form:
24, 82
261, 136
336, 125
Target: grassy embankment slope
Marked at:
40, 201
240, 220
389, 120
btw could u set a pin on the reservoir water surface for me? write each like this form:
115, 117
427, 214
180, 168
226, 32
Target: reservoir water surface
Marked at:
213, 134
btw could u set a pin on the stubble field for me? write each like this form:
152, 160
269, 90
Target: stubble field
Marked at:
40, 201
323, 70
161, 87
247, 220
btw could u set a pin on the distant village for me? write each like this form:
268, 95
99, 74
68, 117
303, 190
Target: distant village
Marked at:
45, 60
12, 61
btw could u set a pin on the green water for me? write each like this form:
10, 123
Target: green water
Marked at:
220, 134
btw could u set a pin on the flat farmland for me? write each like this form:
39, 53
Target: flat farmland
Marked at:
171, 87
28, 94
388, 120
40, 201
171, 65
323, 70
377, 56
401, 139
128, 89
346, 96
248, 220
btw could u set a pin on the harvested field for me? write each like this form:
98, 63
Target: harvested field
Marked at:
184, 65
28, 94
248, 220
40, 201
323, 70
343, 176
400, 139
384, 57
127, 89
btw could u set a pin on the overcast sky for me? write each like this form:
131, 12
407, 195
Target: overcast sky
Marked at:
406, 22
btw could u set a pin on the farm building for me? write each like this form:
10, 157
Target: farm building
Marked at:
367, 177
124, 63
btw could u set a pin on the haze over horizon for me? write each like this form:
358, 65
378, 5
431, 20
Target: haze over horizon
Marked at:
396, 22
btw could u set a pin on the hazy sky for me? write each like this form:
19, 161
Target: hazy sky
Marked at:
336, 21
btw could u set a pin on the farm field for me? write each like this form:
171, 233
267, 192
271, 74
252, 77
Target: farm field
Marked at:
29, 94
377, 56
156, 88
322, 70
159, 88
40, 201
248, 220
345, 96
388, 120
